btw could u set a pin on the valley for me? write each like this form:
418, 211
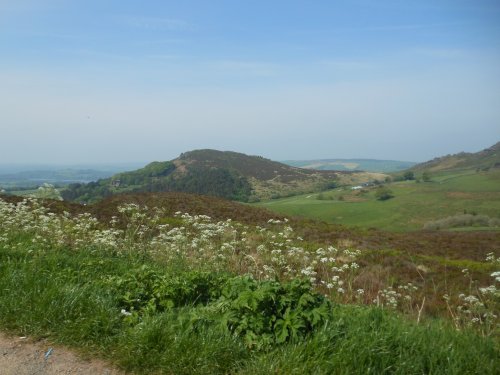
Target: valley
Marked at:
414, 204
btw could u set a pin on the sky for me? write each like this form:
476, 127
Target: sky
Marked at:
113, 81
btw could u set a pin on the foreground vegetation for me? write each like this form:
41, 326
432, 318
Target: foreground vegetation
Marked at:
187, 294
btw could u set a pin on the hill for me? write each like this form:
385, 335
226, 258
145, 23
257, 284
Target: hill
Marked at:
368, 165
482, 160
223, 174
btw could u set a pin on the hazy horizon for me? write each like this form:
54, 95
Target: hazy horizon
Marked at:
91, 82
123, 165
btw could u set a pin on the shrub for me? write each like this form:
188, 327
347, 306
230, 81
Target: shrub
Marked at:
463, 220
383, 193
268, 313
409, 176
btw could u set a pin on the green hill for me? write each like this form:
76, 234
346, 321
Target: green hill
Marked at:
482, 160
224, 174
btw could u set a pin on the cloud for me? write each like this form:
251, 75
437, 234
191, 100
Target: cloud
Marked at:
253, 68
381, 28
441, 53
345, 64
156, 23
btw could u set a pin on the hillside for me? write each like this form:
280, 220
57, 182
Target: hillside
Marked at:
157, 291
368, 165
482, 160
229, 175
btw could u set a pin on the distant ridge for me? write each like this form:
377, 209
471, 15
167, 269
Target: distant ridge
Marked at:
368, 165
482, 160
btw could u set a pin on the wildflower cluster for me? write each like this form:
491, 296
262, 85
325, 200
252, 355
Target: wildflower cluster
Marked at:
271, 252
478, 308
394, 298
51, 231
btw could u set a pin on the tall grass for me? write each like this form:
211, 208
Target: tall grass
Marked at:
61, 295
171, 301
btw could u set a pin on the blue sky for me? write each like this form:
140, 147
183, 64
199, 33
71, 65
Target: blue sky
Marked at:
115, 81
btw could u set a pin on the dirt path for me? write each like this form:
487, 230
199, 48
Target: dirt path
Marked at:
22, 356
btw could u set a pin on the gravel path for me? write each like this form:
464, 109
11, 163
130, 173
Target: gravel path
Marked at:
22, 356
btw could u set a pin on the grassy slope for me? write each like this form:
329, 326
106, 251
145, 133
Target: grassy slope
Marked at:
483, 160
414, 203
61, 295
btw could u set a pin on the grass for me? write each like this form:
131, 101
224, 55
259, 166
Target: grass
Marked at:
66, 297
202, 296
413, 204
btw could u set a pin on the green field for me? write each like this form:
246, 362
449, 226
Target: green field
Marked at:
413, 205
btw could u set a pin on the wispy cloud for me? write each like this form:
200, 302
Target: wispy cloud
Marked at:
163, 57
157, 23
161, 42
254, 68
441, 53
383, 28
345, 64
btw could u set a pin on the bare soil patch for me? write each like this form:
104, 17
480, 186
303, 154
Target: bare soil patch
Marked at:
23, 356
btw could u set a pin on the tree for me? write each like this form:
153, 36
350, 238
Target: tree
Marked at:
383, 193
426, 177
409, 176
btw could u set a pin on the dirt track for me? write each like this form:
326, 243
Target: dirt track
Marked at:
22, 356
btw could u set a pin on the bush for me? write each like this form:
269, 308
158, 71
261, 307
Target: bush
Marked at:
383, 193
463, 220
269, 313
409, 176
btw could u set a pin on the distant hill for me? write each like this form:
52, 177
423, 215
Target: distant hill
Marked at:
482, 160
224, 174
369, 165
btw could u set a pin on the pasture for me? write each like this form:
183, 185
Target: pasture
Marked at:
413, 205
